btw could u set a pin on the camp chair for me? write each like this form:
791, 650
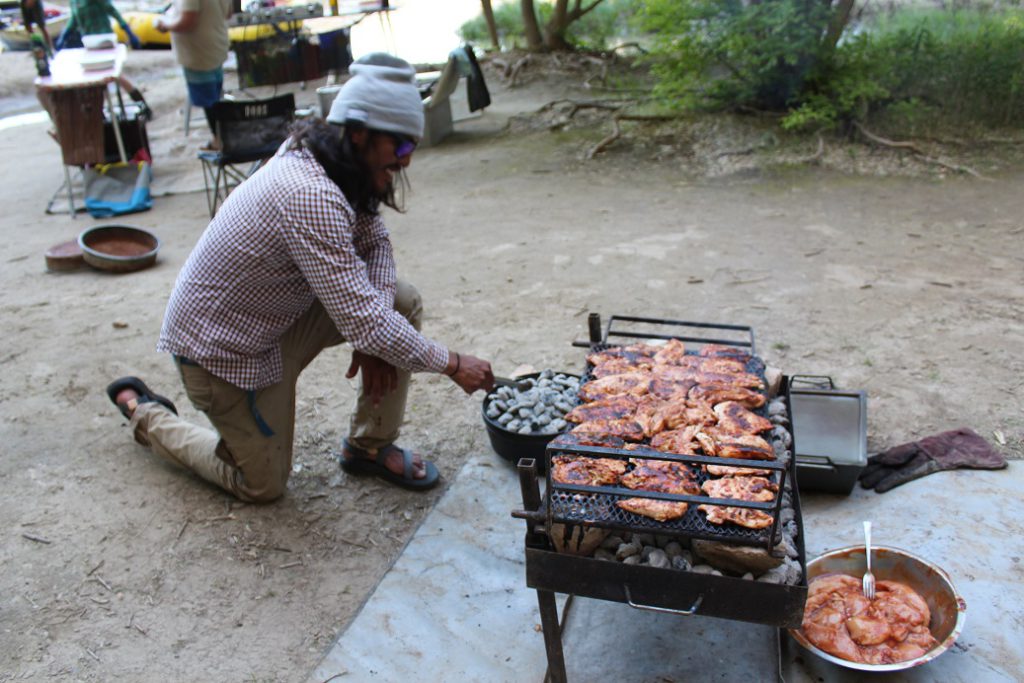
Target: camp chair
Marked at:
249, 131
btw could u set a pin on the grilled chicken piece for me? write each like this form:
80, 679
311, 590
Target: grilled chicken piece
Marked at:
663, 476
733, 418
611, 408
586, 439
660, 510
635, 383
729, 445
706, 441
633, 353
679, 441
682, 413
682, 373
640, 448
719, 393
670, 389
728, 366
727, 471
724, 366
751, 519
721, 350
671, 351
585, 471
648, 415
619, 366
641, 349
754, 489
625, 428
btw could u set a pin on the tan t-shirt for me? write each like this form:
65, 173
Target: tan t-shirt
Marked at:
206, 46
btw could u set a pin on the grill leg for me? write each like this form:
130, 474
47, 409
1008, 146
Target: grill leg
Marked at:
552, 636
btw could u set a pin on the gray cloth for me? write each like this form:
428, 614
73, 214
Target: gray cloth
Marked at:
381, 95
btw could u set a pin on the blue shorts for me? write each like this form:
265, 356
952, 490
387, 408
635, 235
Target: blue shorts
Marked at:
204, 87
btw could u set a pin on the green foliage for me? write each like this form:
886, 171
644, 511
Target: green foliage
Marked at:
909, 69
725, 53
916, 69
596, 30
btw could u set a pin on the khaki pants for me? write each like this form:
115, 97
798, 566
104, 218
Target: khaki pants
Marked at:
237, 454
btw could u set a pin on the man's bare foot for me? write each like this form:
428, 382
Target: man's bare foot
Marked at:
129, 398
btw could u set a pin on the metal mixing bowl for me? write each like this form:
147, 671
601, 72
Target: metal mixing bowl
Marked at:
118, 248
892, 564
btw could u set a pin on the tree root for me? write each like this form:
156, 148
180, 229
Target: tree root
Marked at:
911, 147
814, 159
516, 68
603, 144
617, 130
612, 105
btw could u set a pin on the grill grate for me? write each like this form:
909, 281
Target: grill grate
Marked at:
595, 506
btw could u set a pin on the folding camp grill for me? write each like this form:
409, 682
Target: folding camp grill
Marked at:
647, 587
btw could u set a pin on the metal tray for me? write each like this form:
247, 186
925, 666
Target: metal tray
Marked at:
829, 433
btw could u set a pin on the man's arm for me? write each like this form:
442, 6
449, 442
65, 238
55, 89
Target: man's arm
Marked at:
320, 238
318, 235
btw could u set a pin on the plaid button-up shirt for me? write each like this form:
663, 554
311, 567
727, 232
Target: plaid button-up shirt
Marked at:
283, 238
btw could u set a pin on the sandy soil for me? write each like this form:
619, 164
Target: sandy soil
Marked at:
119, 567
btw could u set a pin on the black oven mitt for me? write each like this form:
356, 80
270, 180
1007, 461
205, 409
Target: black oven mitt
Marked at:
946, 451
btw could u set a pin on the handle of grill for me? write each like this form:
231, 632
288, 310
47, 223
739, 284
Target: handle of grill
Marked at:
815, 381
596, 336
816, 462
652, 608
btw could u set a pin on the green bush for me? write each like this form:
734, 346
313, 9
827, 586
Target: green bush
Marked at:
728, 53
910, 69
916, 69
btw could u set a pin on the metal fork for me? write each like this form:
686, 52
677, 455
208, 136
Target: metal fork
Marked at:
868, 581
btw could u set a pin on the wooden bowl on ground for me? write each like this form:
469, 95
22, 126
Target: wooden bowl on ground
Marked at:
64, 257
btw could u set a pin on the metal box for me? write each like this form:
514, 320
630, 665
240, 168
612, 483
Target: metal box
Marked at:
829, 434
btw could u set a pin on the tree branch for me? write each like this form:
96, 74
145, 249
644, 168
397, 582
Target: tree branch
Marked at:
577, 12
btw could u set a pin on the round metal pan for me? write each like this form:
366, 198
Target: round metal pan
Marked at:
892, 564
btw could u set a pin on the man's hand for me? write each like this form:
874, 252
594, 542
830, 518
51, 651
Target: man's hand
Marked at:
470, 373
379, 377
160, 25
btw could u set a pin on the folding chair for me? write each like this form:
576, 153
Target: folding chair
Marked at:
249, 132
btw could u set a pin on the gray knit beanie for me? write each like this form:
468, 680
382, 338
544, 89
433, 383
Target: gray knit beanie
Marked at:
381, 95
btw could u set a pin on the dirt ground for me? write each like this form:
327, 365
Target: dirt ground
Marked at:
909, 285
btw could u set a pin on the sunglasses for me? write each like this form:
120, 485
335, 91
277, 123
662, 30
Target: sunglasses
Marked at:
404, 146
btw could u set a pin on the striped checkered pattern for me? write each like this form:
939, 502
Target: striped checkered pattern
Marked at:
284, 237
